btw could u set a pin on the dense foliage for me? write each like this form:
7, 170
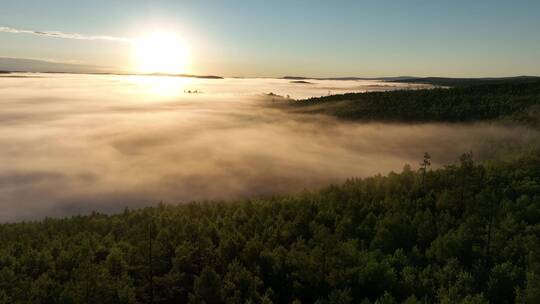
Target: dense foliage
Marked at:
468, 233
461, 82
515, 101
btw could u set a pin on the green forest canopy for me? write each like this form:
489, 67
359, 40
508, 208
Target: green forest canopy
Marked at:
511, 101
467, 233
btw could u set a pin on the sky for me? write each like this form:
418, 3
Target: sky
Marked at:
277, 38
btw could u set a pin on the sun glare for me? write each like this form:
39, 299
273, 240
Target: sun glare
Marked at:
160, 53
161, 86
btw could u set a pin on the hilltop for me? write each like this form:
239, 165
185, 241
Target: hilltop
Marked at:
437, 81
517, 101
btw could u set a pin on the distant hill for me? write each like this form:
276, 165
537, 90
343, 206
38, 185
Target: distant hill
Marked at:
455, 82
33, 65
187, 75
8, 65
438, 81
301, 82
517, 100
350, 78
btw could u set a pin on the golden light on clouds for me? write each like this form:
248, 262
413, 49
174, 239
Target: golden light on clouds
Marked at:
160, 52
160, 86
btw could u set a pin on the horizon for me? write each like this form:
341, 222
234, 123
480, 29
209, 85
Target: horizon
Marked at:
101, 70
257, 39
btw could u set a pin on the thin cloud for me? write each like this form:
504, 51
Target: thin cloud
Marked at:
56, 34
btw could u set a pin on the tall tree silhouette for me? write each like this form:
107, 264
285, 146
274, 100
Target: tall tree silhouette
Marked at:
426, 162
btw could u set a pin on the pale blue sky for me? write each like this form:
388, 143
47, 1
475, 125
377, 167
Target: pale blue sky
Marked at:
295, 37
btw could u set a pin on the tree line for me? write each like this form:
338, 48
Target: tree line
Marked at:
507, 101
466, 233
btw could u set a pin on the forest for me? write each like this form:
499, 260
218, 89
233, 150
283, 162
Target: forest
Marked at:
463, 82
465, 233
511, 101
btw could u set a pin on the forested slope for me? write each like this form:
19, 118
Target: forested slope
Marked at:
463, 82
510, 101
468, 233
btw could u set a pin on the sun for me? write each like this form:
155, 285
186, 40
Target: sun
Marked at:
160, 52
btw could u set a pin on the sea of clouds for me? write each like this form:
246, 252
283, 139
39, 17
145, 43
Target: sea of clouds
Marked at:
76, 143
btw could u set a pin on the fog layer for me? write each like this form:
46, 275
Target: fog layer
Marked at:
72, 143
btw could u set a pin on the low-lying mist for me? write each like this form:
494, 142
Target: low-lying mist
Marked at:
72, 144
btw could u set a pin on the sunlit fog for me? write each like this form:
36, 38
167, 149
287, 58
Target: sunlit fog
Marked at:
76, 143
